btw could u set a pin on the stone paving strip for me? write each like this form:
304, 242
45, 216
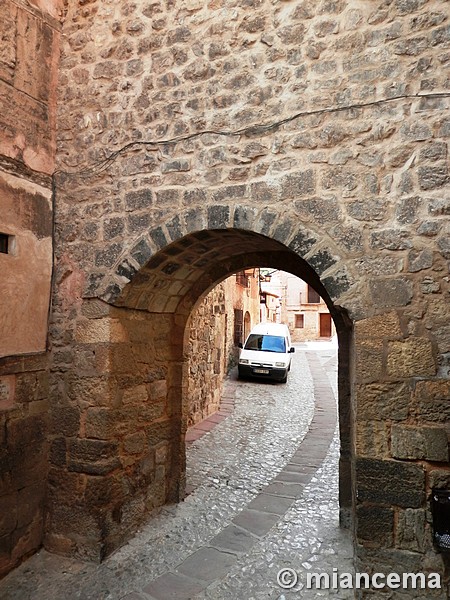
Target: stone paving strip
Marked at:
211, 563
227, 403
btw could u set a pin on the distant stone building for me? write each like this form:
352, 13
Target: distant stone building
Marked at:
301, 307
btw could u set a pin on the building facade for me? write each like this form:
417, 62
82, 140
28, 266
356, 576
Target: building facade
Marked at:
301, 308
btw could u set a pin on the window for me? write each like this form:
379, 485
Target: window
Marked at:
299, 321
313, 296
4, 239
7, 244
242, 279
238, 326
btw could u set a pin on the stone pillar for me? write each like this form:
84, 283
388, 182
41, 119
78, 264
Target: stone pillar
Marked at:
400, 436
116, 442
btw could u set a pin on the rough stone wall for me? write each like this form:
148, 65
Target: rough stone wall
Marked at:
111, 444
207, 352
211, 350
29, 50
334, 155
23, 457
207, 355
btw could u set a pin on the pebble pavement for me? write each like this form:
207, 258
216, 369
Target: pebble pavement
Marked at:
262, 475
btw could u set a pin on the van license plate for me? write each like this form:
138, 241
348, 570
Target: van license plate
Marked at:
261, 371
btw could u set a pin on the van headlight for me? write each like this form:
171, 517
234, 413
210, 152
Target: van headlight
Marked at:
280, 364
243, 361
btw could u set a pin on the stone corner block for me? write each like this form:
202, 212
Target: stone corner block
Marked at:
420, 443
410, 358
410, 531
386, 325
101, 330
390, 482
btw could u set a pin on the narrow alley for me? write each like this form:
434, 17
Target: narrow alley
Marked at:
263, 498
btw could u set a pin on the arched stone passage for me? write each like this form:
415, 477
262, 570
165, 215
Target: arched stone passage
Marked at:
128, 455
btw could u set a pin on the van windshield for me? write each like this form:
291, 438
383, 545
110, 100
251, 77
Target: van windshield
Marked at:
268, 343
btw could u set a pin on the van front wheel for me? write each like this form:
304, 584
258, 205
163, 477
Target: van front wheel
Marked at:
284, 380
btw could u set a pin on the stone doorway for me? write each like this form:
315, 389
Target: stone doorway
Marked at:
129, 454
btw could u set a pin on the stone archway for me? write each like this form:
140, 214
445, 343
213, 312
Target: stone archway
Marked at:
127, 456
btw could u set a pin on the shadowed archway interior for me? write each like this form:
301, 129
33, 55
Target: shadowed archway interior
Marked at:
131, 450
176, 278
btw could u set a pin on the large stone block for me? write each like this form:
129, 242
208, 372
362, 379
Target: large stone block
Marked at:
135, 395
298, 184
318, 210
218, 217
438, 312
391, 292
386, 325
337, 284
65, 419
431, 178
375, 524
100, 423
383, 401
433, 401
372, 439
369, 360
410, 358
439, 479
349, 238
95, 457
377, 266
322, 260
94, 391
411, 530
100, 491
95, 331
158, 389
371, 209
443, 338
134, 443
413, 442
390, 482
28, 433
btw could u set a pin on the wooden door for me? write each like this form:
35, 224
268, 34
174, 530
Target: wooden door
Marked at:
325, 324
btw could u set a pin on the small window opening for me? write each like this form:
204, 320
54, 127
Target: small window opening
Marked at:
299, 321
4, 243
313, 296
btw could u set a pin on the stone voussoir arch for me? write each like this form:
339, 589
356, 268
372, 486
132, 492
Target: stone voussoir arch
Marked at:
311, 244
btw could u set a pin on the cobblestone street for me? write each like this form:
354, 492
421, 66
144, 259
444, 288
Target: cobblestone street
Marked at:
262, 476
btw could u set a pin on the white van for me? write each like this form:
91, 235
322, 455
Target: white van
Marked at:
267, 352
